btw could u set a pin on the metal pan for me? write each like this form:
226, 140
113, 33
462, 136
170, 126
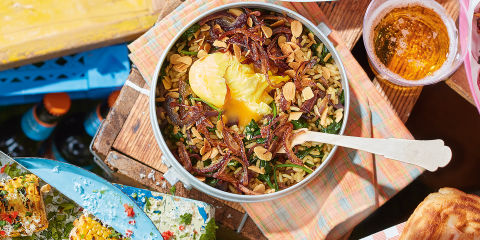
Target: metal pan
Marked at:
176, 172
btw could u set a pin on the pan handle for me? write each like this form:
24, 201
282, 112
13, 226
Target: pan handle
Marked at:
173, 176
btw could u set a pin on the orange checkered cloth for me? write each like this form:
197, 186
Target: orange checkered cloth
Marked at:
353, 185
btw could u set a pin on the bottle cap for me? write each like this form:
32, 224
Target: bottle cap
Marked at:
57, 103
112, 98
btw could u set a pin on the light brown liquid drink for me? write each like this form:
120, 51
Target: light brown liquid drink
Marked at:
411, 41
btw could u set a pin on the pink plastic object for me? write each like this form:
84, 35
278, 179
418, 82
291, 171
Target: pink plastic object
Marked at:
470, 42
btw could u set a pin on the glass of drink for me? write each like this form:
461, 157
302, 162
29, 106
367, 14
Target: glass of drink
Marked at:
411, 42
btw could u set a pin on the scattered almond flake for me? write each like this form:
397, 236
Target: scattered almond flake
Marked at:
325, 73
214, 153
166, 83
205, 27
288, 91
237, 51
338, 115
201, 178
201, 53
196, 133
235, 11
278, 23
307, 93
325, 59
296, 28
256, 169
187, 60
262, 153
249, 21
291, 73
206, 47
294, 116
294, 65
207, 155
260, 188
142, 176
180, 67
151, 175
219, 44
174, 59
311, 37
267, 31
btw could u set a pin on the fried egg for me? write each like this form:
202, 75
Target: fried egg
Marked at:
222, 80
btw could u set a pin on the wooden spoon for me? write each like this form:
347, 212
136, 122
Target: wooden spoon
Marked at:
429, 154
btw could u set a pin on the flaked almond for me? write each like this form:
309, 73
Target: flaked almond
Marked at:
214, 153
293, 45
286, 48
257, 169
219, 126
202, 53
299, 55
325, 73
282, 39
167, 83
187, 60
237, 52
290, 73
173, 94
174, 59
262, 153
296, 28
195, 141
267, 31
206, 47
205, 28
219, 44
201, 178
180, 67
207, 155
196, 133
249, 21
260, 188
294, 65
291, 57
325, 59
288, 91
235, 11
307, 93
278, 23
196, 34
294, 116
205, 148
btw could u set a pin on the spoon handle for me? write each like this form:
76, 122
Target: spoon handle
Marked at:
429, 154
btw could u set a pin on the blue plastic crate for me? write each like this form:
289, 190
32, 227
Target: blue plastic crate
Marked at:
92, 74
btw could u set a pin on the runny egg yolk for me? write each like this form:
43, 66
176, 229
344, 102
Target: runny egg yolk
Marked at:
220, 79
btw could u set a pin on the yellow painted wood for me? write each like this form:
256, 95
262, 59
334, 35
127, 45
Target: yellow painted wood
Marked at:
32, 28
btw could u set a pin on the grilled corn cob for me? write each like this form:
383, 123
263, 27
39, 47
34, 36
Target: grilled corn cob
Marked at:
87, 228
22, 211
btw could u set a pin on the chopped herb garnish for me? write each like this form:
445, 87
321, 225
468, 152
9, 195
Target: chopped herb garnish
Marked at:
333, 128
300, 123
186, 219
190, 31
188, 52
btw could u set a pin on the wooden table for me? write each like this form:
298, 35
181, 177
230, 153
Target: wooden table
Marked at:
125, 141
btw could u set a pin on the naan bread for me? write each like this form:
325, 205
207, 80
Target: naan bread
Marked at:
449, 214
